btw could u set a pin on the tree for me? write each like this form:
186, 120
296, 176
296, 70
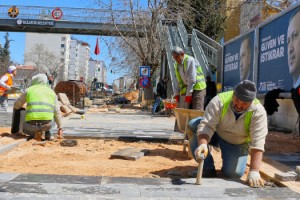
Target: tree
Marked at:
24, 76
5, 54
142, 46
207, 16
45, 61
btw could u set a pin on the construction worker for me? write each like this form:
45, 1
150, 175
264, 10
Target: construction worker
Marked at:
190, 80
235, 121
6, 82
42, 107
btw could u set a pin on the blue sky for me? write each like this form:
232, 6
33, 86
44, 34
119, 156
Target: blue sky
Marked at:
18, 43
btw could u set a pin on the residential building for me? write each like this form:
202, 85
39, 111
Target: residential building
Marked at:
74, 61
79, 60
56, 44
124, 84
116, 85
84, 56
97, 69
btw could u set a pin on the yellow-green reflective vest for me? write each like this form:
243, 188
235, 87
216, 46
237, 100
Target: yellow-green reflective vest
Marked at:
226, 98
200, 79
40, 103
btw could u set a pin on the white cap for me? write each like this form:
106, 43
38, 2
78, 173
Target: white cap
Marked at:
39, 79
11, 68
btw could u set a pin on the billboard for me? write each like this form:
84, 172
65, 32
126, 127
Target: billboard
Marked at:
278, 53
278, 46
238, 60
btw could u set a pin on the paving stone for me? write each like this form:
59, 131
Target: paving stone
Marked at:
51, 178
130, 153
286, 176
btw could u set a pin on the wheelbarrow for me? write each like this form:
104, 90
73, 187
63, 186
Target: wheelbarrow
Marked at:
183, 116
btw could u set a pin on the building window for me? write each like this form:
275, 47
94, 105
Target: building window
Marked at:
62, 45
63, 39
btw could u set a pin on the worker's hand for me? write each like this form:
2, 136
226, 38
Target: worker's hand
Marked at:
176, 97
188, 99
254, 179
60, 134
201, 152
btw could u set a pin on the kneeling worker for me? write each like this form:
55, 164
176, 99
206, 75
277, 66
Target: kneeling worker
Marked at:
42, 107
235, 121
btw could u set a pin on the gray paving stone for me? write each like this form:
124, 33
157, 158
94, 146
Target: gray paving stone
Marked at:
130, 153
286, 176
4, 177
45, 178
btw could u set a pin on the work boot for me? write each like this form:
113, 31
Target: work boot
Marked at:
38, 136
47, 135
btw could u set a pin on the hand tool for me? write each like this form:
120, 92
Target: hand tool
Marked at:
200, 160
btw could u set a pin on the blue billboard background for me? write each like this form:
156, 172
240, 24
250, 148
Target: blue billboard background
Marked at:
273, 69
232, 61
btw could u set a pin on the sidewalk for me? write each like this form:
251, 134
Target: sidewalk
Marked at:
26, 186
128, 126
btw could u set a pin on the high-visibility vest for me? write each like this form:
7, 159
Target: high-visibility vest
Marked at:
40, 103
9, 82
200, 80
226, 98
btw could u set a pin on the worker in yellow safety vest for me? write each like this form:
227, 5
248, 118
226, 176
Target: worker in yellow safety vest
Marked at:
190, 80
41, 108
236, 122
6, 82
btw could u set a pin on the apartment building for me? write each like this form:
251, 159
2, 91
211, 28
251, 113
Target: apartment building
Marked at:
56, 44
97, 69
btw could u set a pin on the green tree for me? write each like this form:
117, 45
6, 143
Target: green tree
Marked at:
207, 16
5, 54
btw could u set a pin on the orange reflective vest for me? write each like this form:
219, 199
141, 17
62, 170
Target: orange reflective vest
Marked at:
9, 82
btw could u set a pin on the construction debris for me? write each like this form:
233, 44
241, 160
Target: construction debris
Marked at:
69, 143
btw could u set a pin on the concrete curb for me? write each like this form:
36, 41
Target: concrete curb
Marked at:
8, 147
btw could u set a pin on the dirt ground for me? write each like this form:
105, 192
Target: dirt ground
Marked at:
92, 157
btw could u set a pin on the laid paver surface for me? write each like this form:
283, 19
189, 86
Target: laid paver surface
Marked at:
137, 126
34, 186
130, 126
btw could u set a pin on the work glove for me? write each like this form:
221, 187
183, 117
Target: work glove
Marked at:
188, 99
201, 152
254, 179
176, 97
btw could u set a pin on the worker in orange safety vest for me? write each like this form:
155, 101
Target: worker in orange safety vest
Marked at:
6, 82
